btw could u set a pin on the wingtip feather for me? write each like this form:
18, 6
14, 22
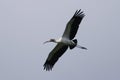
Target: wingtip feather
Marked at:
47, 66
79, 13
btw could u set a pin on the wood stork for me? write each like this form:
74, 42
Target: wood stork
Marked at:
67, 40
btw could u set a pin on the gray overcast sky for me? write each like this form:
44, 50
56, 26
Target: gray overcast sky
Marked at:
26, 24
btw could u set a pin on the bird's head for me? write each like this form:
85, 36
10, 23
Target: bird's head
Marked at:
51, 40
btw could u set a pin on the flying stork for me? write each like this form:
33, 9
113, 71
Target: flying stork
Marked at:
67, 40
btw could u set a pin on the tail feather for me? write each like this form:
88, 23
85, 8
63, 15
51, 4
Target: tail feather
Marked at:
73, 46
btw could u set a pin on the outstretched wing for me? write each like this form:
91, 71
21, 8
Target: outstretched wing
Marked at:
54, 55
73, 25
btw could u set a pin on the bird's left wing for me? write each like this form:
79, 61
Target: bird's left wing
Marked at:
73, 25
54, 55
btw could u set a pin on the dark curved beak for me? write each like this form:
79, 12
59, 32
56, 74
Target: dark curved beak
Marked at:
46, 42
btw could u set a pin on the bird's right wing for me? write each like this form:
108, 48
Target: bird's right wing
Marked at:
54, 55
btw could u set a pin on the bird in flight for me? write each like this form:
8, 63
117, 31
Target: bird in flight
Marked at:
66, 41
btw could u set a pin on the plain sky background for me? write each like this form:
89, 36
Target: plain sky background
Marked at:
26, 24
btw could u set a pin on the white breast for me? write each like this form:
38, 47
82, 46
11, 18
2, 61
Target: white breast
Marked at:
67, 41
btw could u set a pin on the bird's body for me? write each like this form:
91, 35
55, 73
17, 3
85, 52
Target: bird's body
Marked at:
66, 41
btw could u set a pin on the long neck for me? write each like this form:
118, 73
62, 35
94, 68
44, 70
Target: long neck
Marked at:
58, 40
